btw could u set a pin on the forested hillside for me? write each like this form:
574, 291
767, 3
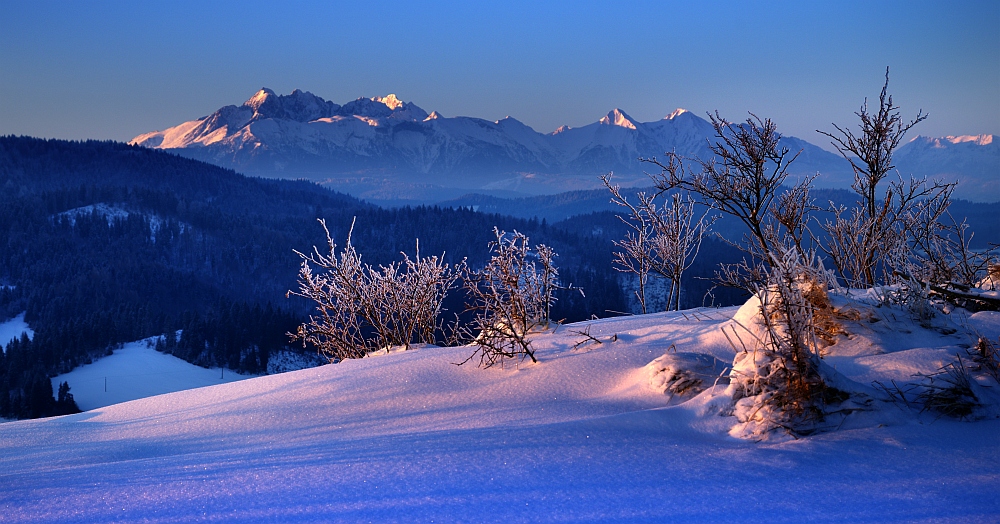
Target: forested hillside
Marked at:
103, 243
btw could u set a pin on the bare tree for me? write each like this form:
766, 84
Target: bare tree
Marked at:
742, 179
864, 240
635, 250
677, 241
363, 309
661, 240
870, 151
510, 297
778, 385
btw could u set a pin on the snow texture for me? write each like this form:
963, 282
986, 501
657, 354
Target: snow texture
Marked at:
583, 435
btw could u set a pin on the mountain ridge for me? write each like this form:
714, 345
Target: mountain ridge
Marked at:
301, 135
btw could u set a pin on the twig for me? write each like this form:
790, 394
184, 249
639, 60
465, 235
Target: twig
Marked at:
586, 340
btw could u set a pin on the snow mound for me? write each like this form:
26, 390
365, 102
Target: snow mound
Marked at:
685, 374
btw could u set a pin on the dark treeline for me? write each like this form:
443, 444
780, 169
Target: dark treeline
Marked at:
102, 243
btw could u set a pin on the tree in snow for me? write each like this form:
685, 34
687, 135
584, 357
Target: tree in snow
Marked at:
660, 240
362, 308
510, 297
864, 240
742, 179
900, 232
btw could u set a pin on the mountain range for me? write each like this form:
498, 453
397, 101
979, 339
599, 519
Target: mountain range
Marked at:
385, 149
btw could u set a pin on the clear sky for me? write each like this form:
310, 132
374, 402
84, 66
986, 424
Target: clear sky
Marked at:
113, 70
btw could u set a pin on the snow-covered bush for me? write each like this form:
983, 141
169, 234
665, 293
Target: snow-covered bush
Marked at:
894, 240
776, 381
510, 297
362, 308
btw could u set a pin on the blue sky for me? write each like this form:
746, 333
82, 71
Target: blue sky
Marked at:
113, 70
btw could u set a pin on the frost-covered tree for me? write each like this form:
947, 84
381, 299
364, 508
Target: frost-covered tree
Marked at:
743, 178
875, 239
662, 240
777, 384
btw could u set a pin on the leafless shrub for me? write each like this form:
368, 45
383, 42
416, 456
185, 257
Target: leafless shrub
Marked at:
510, 298
684, 374
363, 309
777, 384
587, 338
987, 357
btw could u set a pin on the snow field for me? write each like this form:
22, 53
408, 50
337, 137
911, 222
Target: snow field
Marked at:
137, 371
580, 436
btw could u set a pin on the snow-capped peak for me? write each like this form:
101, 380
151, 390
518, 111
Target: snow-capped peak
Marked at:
259, 98
676, 113
301, 106
617, 117
384, 107
390, 101
433, 116
561, 129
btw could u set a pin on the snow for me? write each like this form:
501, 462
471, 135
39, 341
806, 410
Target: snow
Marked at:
110, 212
137, 371
115, 212
676, 113
979, 140
617, 117
259, 98
390, 101
583, 435
13, 328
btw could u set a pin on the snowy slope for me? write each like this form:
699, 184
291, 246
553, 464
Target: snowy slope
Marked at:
584, 435
136, 371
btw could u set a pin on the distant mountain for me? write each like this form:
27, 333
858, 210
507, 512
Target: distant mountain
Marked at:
973, 160
385, 148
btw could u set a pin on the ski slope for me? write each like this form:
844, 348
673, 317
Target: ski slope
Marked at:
581, 436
